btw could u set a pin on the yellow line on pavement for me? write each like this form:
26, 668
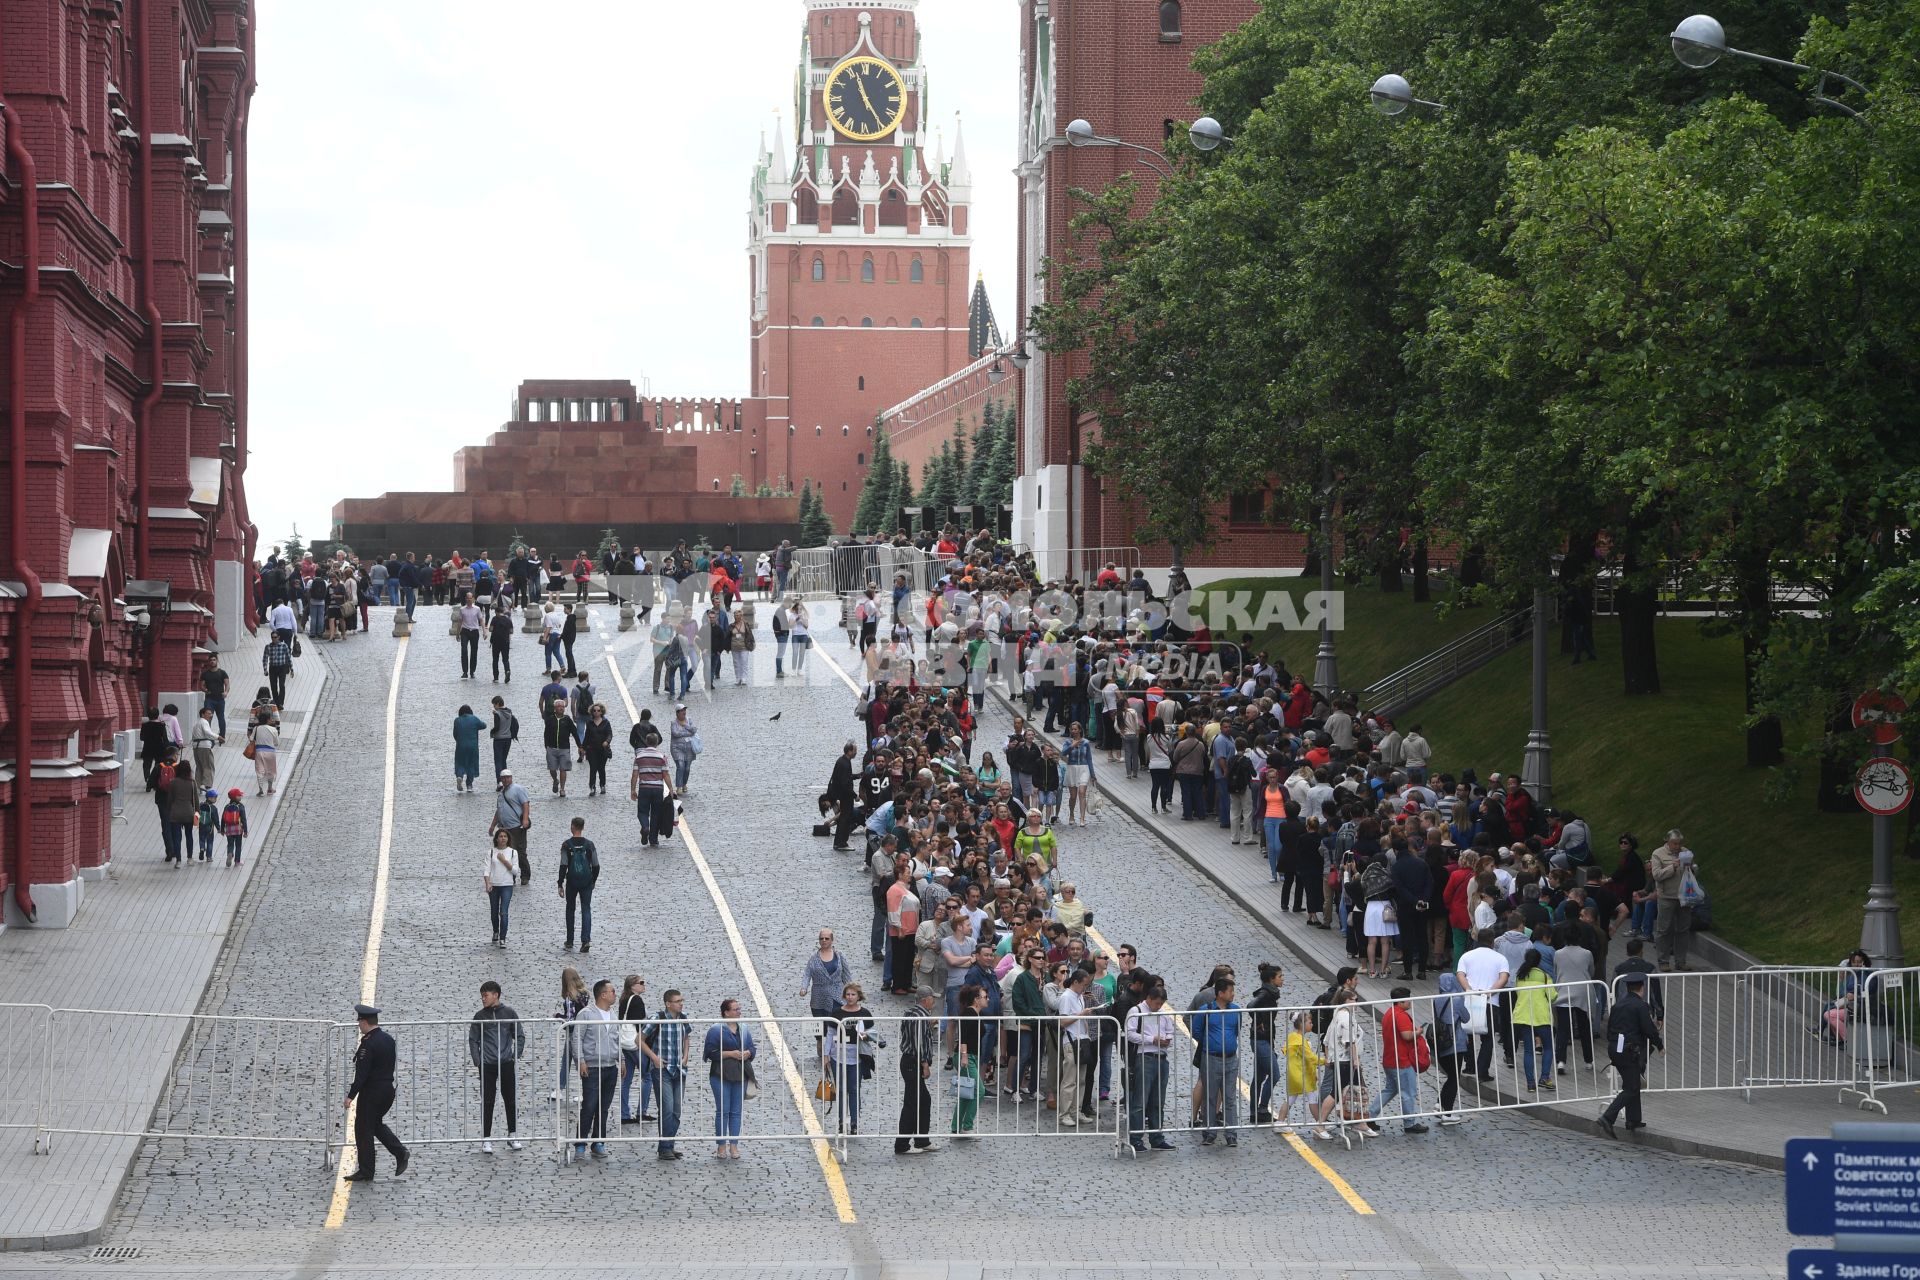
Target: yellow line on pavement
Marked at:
377, 918
802, 1099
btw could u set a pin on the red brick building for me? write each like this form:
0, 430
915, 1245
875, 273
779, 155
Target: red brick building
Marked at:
857, 289
123, 295
1125, 67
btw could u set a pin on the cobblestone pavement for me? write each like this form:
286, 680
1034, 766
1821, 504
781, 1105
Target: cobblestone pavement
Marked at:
1498, 1197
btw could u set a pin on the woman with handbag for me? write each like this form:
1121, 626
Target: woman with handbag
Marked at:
729, 1053
848, 1031
573, 998
966, 1075
826, 973
683, 744
633, 1012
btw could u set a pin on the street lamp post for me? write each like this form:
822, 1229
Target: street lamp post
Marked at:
1081, 134
1536, 766
1700, 41
1326, 664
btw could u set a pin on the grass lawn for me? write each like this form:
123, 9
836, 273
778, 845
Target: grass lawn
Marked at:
1384, 630
1787, 882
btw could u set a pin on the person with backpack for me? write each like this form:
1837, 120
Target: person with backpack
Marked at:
513, 814
505, 728
579, 872
233, 824
1381, 924
1240, 794
207, 820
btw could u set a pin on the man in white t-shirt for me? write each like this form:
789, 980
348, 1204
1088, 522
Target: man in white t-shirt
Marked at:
1076, 1051
1483, 970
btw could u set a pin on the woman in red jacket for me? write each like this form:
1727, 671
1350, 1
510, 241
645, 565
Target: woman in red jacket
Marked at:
1458, 897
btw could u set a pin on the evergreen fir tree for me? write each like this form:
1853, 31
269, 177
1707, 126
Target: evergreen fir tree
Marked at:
903, 495
957, 467
870, 515
806, 510
984, 438
815, 525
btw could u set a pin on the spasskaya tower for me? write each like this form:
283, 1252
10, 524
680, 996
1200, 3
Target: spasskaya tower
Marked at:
858, 239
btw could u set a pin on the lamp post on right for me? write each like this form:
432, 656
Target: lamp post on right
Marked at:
1700, 41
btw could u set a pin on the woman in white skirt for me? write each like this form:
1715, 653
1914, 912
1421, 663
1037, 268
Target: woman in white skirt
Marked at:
266, 754
1078, 758
1381, 928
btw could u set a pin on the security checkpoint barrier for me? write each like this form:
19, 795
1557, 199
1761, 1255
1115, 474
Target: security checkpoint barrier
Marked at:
227, 1079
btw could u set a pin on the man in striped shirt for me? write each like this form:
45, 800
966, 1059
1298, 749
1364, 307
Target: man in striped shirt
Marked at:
916, 1067
651, 790
666, 1048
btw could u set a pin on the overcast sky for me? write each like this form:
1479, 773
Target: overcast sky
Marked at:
447, 199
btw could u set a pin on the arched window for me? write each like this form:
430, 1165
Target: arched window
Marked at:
914, 323
844, 432
869, 432
819, 267
819, 322
716, 484
816, 428
1169, 20
916, 274
866, 322
866, 269
860, 459
863, 383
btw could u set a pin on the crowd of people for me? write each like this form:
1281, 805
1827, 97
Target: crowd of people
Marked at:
1469, 883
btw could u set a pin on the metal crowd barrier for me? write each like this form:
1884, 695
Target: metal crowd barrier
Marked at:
228, 1079
24, 1072
278, 1080
439, 1086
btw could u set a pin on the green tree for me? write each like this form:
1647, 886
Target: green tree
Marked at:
870, 514
903, 493
738, 489
816, 526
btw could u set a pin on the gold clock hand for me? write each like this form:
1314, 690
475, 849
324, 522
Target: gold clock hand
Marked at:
862, 86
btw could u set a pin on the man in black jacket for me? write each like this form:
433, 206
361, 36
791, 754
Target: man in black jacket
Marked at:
841, 793
373, 1065
1630, 1030
496, 1039
1413, 896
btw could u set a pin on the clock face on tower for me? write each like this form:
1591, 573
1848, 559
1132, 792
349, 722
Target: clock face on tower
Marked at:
865, 98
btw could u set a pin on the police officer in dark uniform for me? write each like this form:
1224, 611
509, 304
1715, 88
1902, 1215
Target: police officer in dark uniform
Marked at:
373, 1066
1630, 1030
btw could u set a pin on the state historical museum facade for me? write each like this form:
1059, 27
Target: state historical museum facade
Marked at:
858, 298
123, 294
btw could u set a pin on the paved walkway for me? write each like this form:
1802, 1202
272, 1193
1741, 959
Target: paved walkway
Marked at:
1721, 1123
146, 940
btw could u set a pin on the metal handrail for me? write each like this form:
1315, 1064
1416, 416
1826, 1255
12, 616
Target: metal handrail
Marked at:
1448, 663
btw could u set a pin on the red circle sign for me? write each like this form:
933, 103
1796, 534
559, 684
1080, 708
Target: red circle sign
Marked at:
1880, 713
1883, 786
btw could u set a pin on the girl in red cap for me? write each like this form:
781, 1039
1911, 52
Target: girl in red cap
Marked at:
233, 824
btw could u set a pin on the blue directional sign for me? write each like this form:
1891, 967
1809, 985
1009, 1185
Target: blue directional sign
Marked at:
1851, 1264
1853, 1188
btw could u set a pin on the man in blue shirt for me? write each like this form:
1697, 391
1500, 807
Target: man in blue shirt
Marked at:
665, 1046
1222, 752
1215, 1026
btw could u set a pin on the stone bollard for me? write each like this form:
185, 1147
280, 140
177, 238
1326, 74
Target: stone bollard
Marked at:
531, 625
453, 622
580, 617
626, 615
403, 625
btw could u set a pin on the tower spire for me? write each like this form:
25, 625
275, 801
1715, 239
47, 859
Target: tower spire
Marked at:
959, 176
779, 147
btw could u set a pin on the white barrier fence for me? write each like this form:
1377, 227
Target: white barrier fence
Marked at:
23, 1066
227, 1079
1302, 1069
